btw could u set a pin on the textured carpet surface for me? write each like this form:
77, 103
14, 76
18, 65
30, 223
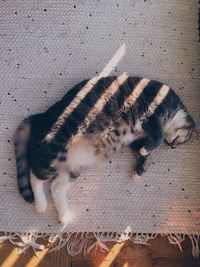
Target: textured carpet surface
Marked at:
46, 47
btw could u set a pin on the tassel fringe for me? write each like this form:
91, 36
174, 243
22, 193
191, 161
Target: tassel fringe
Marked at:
86, 242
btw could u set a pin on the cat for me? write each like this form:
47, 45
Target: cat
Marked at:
95, 119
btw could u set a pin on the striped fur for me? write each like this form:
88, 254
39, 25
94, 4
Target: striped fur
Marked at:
21, 143
92, 121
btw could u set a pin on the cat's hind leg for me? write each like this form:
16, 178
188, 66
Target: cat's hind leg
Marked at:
59, 188
39, 194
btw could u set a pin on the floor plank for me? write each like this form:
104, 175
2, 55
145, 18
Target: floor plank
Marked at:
159, 253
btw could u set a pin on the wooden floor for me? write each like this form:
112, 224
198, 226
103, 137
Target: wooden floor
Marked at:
158, 254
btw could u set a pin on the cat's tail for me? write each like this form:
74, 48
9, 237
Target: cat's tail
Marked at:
21, 142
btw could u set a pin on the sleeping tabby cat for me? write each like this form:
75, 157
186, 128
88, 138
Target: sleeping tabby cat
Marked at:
95, 119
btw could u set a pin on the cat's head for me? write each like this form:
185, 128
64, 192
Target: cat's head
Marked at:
179, 129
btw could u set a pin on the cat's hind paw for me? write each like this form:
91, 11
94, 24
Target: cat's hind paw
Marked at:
41, 207
65, 218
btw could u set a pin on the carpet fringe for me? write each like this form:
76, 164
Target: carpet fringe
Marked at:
85, 243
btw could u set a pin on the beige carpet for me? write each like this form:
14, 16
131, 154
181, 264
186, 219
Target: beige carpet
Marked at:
46, 47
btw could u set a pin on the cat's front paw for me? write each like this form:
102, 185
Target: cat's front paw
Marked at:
142, 165
139, 170
135, 176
